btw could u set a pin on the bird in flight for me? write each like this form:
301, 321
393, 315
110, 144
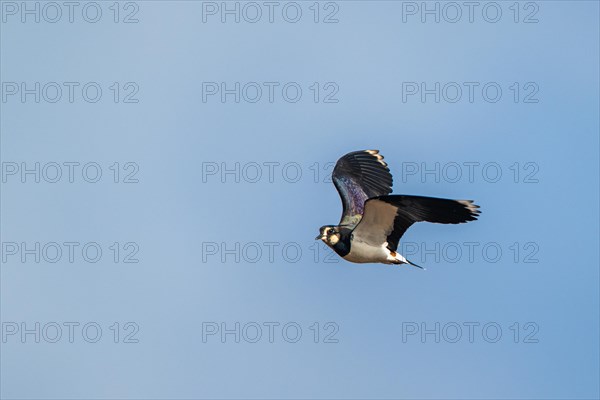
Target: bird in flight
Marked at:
373, 221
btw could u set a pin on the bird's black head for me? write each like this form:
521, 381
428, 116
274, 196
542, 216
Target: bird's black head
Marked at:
329, 234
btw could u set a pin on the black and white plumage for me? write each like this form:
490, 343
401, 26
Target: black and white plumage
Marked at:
373, 221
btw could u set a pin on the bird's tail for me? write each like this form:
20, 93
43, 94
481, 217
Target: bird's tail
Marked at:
414, 265
400, 259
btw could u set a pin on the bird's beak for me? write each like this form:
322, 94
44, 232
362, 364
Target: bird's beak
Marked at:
320, 237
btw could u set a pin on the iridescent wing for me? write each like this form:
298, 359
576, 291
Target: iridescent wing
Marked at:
359, 176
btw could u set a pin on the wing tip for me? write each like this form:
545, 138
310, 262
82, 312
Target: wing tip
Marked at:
472, 208
377, 155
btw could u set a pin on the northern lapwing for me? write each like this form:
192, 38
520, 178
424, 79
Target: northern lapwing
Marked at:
373, 221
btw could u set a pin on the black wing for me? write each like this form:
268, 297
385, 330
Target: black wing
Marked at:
386, 218
359, 176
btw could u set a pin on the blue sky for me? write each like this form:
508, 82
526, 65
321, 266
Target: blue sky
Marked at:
214, 141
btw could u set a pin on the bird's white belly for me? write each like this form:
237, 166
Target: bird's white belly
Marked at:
361, 252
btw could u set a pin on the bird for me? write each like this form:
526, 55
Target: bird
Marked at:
373, 220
